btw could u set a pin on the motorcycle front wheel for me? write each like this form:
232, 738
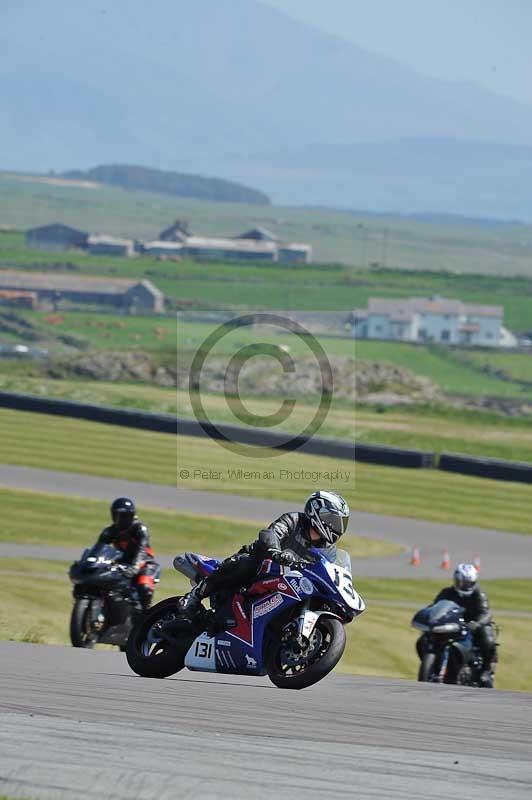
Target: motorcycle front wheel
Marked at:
80, 631
426, 668
151, 655
289, 669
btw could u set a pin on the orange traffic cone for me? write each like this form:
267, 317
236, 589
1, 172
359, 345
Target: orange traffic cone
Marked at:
415, 558
476, 562
445, 560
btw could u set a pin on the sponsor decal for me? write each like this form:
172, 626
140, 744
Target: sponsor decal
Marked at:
283, 587
267, 605
306, 586
250, 662
222, 641
294, 585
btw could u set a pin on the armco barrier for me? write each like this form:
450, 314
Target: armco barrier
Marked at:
167, 423
486, 467
130, 418
393, 456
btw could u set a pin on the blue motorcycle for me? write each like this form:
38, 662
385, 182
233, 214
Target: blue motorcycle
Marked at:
447, 651
289, 624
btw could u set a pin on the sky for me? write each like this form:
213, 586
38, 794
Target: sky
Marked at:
484, 41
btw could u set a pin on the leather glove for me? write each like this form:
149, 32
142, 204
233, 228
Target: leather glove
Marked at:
127, 570
284, 557
473, 625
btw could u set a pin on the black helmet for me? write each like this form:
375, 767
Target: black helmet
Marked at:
123, 512
328, 514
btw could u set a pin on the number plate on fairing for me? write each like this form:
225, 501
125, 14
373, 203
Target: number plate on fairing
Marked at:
344, 586
201, 654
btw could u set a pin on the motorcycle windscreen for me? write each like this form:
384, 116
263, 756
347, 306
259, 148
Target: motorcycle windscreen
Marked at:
444, 611
103, 553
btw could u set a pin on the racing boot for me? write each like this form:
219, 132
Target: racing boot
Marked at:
486, 676
190, 604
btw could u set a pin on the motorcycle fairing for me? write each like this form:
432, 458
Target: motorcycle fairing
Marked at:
242, 648
239, 649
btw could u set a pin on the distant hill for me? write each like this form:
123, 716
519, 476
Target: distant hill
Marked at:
237, 89
128, 176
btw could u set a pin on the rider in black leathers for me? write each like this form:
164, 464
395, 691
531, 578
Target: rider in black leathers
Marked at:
467, 593
286, 540
130, 535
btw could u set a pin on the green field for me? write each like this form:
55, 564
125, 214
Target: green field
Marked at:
95, 449
336, 236
380, 643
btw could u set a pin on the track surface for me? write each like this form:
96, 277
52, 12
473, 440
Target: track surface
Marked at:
80, 724
503, 555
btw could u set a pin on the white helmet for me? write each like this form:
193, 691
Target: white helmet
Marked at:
329, 514
465, 579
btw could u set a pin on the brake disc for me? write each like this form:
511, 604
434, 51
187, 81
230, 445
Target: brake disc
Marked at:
293, 653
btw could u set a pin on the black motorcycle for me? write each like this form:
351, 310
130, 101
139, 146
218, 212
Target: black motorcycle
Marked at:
105, 603
446, 649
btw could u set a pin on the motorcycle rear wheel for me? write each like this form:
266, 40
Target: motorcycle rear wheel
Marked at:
151, 656
80, 635
426, 667
330, 652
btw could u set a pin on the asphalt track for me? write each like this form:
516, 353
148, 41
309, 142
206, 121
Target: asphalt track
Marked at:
503, 555
81, 724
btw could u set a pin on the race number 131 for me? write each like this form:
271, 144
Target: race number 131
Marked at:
203, 649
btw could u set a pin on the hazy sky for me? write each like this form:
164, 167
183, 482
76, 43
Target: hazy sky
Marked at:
485, 41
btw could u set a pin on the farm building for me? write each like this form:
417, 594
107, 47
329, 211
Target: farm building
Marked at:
18, 299
162, 248
432, 319
177, 232
259, 235
56, 237
294, 253
110, 246
257, 244
220, 249
127, 295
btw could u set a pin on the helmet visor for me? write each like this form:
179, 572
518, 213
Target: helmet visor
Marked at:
123, 518
334, 520
465, 584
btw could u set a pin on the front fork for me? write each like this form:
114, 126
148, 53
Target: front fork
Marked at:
444, 664
306, 621
96, 615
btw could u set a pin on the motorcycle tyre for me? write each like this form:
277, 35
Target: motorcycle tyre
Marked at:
164, 664
77, 621
464, 677
315, 672
426, 667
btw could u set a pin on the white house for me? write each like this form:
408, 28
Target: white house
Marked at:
432, 319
